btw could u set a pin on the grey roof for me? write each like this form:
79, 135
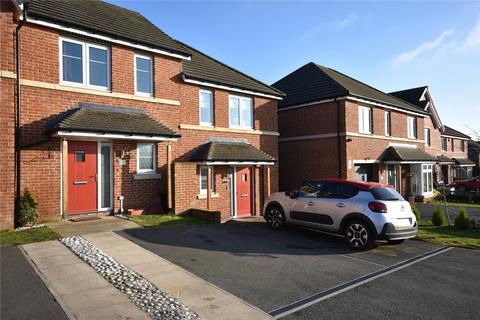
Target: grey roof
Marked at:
412, 96
448, 131
106, 19
464, 162
395, 153
205, 68
444, 159
229, 151
99, 118
314, 82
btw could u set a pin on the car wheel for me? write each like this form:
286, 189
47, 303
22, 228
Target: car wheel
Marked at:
394, 242
358, 235
275, 217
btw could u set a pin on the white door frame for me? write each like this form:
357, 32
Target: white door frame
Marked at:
99, 176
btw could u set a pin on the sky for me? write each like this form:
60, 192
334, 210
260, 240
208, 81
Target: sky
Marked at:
386, 44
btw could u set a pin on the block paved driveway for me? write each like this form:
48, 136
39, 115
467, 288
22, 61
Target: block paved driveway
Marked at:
272, 269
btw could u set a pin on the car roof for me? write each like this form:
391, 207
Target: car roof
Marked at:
363, 186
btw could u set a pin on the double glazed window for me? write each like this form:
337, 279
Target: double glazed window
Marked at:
206, 108
462, 145
145, 158
412, 127
444, 144
84, 64
143, 76
364, 119
240, 112
388, 126
203, 180
427, 137
427, 177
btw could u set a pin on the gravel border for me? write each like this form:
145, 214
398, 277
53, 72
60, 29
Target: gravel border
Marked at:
157, 304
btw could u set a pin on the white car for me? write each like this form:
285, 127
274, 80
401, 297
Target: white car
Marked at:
362, 212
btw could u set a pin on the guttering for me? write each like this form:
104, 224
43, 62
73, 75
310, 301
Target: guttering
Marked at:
106, 38
219, 86
453, 137
96, 135
18, 133
236, 163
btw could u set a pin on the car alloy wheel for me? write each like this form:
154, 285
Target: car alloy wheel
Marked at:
358, 236
275, 217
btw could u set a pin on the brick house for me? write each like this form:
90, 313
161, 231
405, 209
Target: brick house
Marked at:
448, 145
112, 112
334, 126
474, 156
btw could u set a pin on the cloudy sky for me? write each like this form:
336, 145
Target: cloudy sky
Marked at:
389, 45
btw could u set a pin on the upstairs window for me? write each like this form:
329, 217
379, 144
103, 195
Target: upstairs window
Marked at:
444, 144
453, 144
462, 145
412, 127
84, 64
240, 112
143, 76
427, 137
206, 108
364, 119
388, 126
145, 158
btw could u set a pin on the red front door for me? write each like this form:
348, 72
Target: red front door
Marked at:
82, 176
244, 192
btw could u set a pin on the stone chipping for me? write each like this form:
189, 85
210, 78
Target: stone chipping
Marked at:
157, 304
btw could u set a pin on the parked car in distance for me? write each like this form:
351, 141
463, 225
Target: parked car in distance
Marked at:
362, 212
467, 185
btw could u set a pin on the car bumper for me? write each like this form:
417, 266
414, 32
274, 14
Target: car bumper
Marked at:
389, 232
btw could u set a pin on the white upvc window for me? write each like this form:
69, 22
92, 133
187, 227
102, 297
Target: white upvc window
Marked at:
240, 112
84, 64
462, 145
412, 127
143, 75
388, 125
203, 180
146, 157
427, 137
364, 119
206, 107
427, 178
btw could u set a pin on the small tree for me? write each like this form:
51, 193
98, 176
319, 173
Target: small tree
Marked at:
462, 221
438, 218
27, 208
416, 212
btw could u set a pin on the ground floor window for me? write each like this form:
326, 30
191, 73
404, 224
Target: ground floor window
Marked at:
427, 178
145, 157
203, 180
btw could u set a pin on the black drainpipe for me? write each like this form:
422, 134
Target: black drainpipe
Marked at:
18, 135
339, 142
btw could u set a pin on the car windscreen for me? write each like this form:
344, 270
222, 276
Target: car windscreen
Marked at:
386, 194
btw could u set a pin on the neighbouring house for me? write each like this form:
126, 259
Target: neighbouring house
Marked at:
448, 145
113, 113
474, 156
334, 126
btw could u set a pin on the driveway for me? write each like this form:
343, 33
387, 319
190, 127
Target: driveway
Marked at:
272, 269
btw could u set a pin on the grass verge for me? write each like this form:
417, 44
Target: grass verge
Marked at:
449, 236
167, 220
457, 204
14, 238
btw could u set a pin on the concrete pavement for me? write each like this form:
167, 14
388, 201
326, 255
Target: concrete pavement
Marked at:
104, 223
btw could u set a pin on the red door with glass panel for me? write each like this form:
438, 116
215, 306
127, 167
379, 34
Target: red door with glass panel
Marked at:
244, 192
82, 176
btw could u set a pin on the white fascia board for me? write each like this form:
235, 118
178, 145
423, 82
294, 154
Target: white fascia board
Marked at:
81, 134
393, 144
236, 163
453, 137
106, 38
410, 162
218, 86
18, 10
385, 106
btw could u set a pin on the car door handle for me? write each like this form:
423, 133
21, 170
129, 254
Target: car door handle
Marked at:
340, 205
311, 203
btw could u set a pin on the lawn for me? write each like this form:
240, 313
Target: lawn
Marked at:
27, 236
457, 204
156, 220
449, 236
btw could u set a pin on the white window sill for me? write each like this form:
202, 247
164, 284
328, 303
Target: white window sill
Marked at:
147, 176
144, 95
241, 128
204, 195
366, 133
206, 125
83, 86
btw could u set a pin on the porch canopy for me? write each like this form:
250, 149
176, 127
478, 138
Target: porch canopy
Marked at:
230, 152
444, 160
406, 154
464, 162
90, 120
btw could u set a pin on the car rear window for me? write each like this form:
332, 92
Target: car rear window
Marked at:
386, 194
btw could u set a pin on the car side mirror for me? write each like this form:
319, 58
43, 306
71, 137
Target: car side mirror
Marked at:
292, 194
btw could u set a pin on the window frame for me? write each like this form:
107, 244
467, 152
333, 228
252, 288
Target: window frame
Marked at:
241, 125
204, 191
462, 145
388, 124
427, 138
361, 120
413, 127
444, 144
453, 145
212, 118
85, 64
145, 57
427, 169
154, 158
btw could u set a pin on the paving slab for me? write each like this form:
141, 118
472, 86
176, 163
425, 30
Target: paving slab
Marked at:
207, 300
103, 224
82, 293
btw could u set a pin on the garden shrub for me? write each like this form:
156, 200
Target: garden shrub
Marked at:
27, 208
462, 221
438, 217
416, 212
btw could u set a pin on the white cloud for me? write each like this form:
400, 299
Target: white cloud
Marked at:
423, 47
338, 24
347, 21
473, 39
